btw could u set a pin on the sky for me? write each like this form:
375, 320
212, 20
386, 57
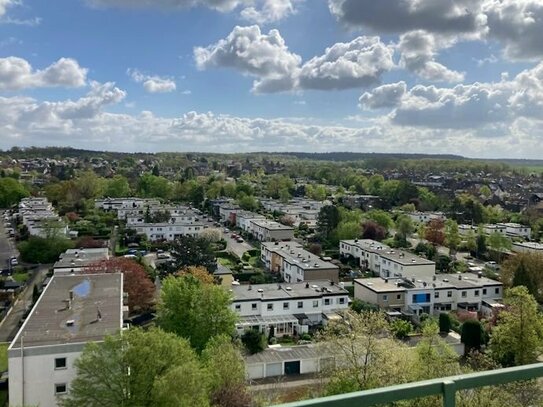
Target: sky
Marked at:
404, 76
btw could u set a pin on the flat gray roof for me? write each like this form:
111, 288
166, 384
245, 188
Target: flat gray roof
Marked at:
281, 290
281, 354
271, 224
294, 253
52, 322
378, 284
75, 258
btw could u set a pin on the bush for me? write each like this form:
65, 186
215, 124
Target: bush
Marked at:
360, 306
254, 341
472, 335
444, 322
305, 337
400, 328
41, 250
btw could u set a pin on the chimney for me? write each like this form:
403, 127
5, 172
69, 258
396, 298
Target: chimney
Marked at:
480, 274
386, 280
98, 315
306, 285
250, 287
460, 276
434, 278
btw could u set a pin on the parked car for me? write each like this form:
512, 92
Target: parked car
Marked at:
13, 261
226, 230
240, 240
233, 236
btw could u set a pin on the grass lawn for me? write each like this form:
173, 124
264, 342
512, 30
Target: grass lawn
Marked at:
21, 277
3, 356
226, 262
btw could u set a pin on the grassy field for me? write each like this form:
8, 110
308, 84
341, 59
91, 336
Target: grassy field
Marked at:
3, 356
21, 277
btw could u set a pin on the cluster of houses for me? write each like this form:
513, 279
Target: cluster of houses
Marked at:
408, 283
176, 220
40, 218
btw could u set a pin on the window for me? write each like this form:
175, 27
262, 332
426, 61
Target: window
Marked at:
327, 301
484, 291
270, 307
476, 293
253, 306
300, 304
449, 294
436, 294
497, 290
342, 300
464, 294
398, 296
315, 303
385, 297
60, 388
238, 307
60, 363
286, 305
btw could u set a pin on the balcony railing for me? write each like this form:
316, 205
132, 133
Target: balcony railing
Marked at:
445, 386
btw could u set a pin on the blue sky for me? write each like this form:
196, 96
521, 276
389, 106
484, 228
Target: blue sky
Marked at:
434, 76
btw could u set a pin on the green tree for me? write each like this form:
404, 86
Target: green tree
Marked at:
524, 269
137, 368
151, 186
327, 220
404, 227
348, 230
41, 250
248, 202
472, 335
194, 310
11, 192
401, 328
498, 242
381, 217
518, 337
117, 187
444, 322
254, 340
452, 235
192, 251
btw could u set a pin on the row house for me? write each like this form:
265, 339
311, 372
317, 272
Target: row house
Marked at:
76, 260
517, 230
527, 247
290, 308
269, 231
443, 292
425, 217
386, 262
123, 205
295, 264
227, 213
40, 218
244, 219
169, 231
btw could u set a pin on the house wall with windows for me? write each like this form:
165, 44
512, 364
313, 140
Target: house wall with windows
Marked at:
169, 231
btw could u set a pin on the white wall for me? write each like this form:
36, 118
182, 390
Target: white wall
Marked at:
40, 378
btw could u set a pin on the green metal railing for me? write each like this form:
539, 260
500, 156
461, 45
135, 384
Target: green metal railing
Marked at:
445, 386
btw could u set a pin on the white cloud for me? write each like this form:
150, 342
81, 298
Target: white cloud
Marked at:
152, 84
518, 24
17, 73
249, 51
269, 11
473, 105
418, 49
358, 63
258, 11
389, 95
441, 16
5, 4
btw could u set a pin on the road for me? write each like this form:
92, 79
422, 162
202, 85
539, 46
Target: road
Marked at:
10, 325
234, 247
7, 247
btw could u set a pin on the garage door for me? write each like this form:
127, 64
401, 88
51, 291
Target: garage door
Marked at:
274, 369
292, 368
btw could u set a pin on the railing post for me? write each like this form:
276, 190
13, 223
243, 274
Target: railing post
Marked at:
449, 394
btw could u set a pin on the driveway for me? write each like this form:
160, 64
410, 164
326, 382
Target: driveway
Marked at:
234, 247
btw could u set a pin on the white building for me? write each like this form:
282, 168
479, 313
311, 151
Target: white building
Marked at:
442, 292
75, 260
72, 311
295, 264
169, 231
517, 230
244, 218
497, 228
122, 206
527, 247
386, 262
291, 308
425, 217
40, 218
269, 230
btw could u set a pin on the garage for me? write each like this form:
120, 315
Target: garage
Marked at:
292, 367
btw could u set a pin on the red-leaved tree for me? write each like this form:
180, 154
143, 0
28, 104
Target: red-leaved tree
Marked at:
435, 232
136, 282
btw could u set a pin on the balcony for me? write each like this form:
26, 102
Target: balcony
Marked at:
446, 387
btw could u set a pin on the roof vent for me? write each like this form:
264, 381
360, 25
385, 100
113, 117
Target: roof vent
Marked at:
288, 288
249, 288
316, 265
70, 322
260, 290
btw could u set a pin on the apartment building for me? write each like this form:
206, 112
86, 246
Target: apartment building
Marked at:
270, 231
244, 219
124, 206
295, 264
443, 292
517, 230
169, 231
40, 218
72, 311
425, 217
527, 247
75, 260
386, 262
291, 308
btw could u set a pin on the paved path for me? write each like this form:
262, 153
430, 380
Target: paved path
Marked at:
10, 325
237, 248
